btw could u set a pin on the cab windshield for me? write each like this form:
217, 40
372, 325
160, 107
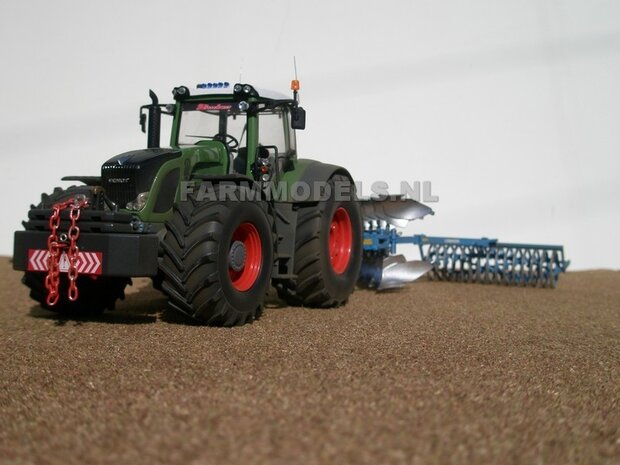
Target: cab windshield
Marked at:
212, 121
224, 121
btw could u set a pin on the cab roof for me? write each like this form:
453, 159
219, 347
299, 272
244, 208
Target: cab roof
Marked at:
225, 88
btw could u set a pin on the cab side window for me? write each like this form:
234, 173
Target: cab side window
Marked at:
274, 130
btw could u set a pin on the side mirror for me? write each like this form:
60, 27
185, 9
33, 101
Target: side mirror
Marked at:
298, 118
142, 121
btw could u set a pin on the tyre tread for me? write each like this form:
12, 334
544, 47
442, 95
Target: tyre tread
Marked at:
192, 281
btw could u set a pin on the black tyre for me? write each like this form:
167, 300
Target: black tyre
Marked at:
96, 294
217, 259
328, 251
60, 195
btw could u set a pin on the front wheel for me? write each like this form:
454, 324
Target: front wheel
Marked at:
217, 259
96, 294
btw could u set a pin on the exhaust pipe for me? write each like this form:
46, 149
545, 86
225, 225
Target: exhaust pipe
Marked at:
154, 131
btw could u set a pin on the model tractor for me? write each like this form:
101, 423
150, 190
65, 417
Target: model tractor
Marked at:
229, 210
215, 219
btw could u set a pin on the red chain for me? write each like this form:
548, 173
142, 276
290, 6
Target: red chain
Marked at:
55, 247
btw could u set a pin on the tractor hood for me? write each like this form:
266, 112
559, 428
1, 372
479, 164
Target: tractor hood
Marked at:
143, 157
128, 174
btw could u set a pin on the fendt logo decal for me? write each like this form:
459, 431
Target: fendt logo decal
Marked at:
87, 262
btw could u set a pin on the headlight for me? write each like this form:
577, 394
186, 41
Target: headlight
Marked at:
139, 202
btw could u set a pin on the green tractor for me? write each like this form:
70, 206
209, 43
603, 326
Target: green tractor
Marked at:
215, 219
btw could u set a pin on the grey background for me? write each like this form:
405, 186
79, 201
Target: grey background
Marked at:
511, 109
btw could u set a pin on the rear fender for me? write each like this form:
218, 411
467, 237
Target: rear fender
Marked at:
306, 181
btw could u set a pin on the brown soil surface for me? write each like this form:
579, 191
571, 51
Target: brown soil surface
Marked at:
436, 373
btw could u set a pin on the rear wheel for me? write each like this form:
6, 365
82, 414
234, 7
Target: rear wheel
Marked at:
328, 251
217, 259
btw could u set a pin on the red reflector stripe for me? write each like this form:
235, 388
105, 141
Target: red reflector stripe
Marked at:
87, 263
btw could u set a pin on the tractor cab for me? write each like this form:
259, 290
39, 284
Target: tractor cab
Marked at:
247, 129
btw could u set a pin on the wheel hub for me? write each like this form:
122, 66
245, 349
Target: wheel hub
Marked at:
340, 240
237, 255
245, 257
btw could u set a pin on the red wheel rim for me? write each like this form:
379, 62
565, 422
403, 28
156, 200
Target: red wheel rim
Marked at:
244, 278
340, 240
